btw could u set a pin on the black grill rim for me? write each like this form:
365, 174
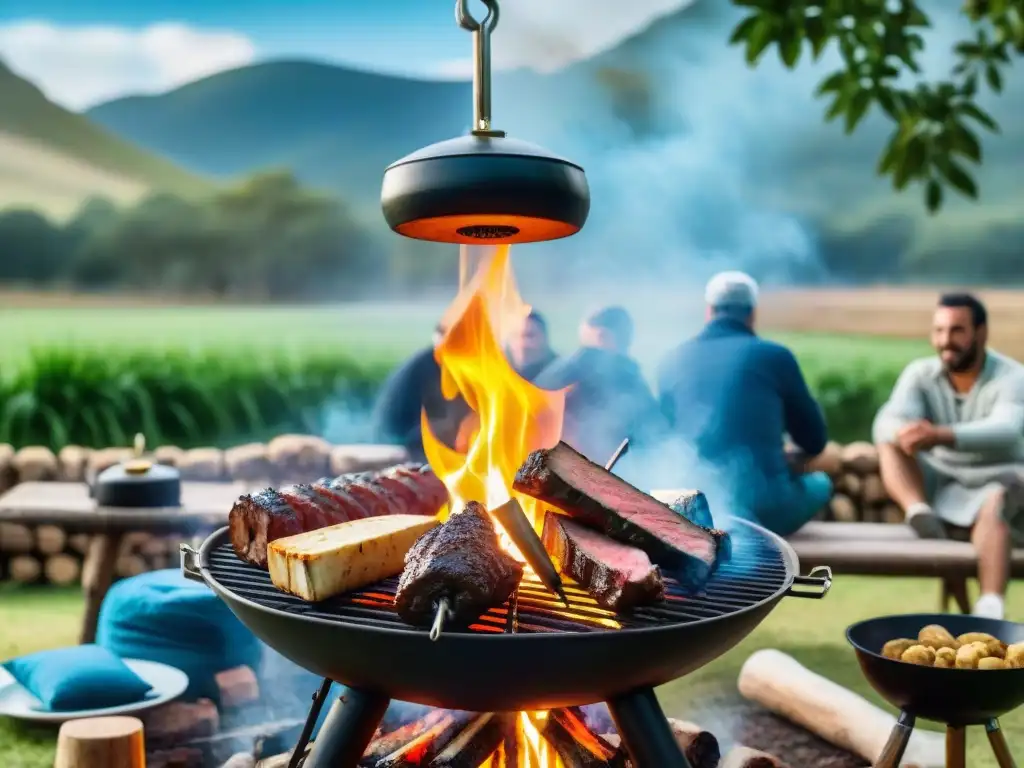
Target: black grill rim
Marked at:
789, 560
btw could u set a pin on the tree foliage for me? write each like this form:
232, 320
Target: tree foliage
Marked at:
935, 139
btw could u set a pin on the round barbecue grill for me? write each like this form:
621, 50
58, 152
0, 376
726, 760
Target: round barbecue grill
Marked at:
532, 653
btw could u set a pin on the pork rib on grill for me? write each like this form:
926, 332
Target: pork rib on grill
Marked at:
257, 519
460, 561
618, 576
589, 493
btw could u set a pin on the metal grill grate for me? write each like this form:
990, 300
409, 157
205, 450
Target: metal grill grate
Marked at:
756, 571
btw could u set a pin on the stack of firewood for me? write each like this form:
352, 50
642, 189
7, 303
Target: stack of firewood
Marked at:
46, 554
859, 495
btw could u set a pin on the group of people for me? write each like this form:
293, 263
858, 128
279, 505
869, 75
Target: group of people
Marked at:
950, 437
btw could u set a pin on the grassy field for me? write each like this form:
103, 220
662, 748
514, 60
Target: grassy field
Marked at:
811, 631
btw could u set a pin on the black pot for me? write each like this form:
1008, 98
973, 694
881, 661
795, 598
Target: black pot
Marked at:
138, 483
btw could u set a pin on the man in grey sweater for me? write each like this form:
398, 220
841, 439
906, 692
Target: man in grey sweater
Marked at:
951, 444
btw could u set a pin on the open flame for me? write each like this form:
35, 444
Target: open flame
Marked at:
511, 417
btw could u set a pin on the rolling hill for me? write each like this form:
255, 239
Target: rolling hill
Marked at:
692, 157
53, 159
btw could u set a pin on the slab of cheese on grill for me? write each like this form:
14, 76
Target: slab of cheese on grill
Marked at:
340, 558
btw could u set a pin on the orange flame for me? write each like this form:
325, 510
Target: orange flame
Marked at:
511, 417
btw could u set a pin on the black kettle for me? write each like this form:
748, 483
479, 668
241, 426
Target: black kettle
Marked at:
138, 483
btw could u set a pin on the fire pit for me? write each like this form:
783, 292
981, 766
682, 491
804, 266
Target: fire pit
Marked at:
531, 654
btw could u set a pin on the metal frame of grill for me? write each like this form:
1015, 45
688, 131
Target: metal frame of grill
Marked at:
528, 654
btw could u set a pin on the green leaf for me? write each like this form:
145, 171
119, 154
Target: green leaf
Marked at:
957, 177
963, 142
970, 110
839, 105
911, 162
817, 34
790, 45
994, 78
833, 83
743, 30
859, 104
761, 35
933, 195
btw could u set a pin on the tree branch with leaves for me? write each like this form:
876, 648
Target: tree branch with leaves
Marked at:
934, 142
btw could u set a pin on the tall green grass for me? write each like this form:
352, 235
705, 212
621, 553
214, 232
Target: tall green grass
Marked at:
64, 396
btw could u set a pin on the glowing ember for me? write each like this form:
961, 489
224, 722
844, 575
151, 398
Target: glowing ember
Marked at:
511, 417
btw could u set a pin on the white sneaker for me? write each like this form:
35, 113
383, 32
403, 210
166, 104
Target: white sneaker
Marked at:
989, 606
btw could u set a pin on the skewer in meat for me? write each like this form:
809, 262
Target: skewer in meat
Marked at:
460, 565
258, 519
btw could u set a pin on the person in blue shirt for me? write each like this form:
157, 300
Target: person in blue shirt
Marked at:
609, 399
529, 348
732, 397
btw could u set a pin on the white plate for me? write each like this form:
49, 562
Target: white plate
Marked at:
168, 683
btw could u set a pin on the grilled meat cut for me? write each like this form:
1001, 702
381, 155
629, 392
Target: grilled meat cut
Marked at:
258, 519
618, 576
592, 495
460, 561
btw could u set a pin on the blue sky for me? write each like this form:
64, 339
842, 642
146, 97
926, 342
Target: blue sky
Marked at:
82, 52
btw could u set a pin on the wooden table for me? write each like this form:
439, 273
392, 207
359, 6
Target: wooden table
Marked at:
204, 506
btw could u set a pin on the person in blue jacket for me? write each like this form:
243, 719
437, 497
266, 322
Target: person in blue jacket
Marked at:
732, 397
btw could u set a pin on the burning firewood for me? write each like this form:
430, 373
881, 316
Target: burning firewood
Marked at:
700, 747
475, 743
745, 757
385, 744
578, 747
429, 743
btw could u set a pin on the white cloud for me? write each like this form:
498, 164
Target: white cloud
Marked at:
545, 35
82, 66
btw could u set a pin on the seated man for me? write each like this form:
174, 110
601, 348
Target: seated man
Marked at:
732, 396
411, 389
529, 349
951, 444
609, 399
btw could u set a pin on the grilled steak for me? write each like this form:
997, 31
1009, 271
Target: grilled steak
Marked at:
618, 576
256, 520
460, 561
595, 497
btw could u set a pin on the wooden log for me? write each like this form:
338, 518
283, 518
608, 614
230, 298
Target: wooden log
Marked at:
700, 747
474, 743
35, 463
101, 742
130, 565
892, 513
428, 744
843, 509
850, 484
873, 491
24, 569
388, 743
240, 760
16, 539
181, 721
73, 463
860, 457
62, 570
79, 542
745, 757
577, 746
237, 686
50, 539
783, 686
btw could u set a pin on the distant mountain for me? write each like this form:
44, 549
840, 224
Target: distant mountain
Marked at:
53, 159
688, 151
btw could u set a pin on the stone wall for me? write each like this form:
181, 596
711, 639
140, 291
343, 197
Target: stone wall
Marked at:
48, 554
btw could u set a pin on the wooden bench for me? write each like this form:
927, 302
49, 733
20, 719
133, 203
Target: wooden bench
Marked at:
886, 549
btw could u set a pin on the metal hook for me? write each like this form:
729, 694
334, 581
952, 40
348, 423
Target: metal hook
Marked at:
481, 63
466, 20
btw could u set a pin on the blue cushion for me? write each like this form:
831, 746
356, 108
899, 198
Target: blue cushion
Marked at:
162, 616
81, 677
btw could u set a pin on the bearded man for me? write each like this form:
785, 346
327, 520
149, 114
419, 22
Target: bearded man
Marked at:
951, 444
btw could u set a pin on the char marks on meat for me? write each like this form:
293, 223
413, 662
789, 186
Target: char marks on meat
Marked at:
460, 561
589, 493
618, 576
255, 520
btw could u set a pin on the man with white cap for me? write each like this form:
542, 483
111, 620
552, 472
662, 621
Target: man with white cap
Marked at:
733, 397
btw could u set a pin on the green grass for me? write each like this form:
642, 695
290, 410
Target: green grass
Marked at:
811, 631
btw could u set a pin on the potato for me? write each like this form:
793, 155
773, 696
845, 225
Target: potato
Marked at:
945, 658
894, 648
968, 657
982, 648
992, 662
1015, 656
921, 655
935, 636
996, 647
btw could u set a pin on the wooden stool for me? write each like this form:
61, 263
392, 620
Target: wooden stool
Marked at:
101, 742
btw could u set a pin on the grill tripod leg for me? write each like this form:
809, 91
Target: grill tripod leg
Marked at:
892, 752
645, 731
307, 729
348, 730
999, 746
